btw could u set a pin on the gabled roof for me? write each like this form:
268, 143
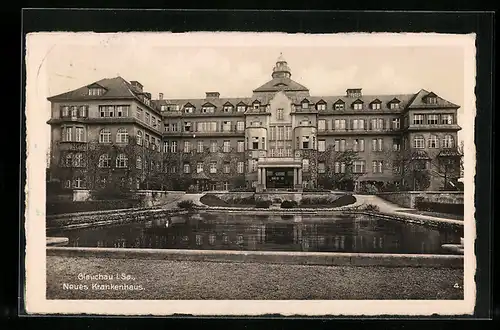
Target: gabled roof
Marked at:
117, 88
321, 102
338, 101
95, 85
208, 104
305, 101
394, 100
228, 103
280, 84
376, 101
385, 99
418, 101
188, 105
256, 101
357, 101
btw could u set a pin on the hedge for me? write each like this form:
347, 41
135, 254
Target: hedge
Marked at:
89, 206
447, 208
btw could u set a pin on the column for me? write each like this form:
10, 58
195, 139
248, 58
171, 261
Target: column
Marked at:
264, 177
259, 175
300, 176
295, 174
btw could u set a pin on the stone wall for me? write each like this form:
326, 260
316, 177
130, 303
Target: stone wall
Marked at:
407, 198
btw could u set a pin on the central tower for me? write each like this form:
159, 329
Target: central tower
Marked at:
281, 69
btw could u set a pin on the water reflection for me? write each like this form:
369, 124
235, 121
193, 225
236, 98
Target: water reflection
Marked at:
342, 233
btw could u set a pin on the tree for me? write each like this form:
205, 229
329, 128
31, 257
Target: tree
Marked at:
339, 169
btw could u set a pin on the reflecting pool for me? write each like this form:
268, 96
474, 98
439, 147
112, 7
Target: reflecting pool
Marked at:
206, 231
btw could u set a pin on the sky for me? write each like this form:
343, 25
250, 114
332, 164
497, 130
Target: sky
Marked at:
188, 65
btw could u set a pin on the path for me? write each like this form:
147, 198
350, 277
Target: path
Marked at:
391, 208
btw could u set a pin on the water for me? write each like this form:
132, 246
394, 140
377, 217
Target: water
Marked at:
334, 233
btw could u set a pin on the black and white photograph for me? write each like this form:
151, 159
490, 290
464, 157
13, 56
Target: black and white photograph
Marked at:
223, 173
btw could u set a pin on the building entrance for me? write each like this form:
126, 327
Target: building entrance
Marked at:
279, 178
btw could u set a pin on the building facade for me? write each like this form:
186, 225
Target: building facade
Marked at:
281, 137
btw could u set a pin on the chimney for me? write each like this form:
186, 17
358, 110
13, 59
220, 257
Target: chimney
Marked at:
212, 95
148, 95
353, 92
160, 96
137, 85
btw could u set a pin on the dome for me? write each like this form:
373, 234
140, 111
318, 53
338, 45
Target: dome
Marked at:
281, 69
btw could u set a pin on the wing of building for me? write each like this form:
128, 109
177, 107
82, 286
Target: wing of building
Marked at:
111, 132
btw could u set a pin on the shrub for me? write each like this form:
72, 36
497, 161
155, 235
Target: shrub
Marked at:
187, 204
277, 200
53, 208
371, 208
447, 208
343, 201
263, 204
192, 189
212, 200
288, 204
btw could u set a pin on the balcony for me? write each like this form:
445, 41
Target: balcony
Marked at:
433, 127
206, 133
351, 131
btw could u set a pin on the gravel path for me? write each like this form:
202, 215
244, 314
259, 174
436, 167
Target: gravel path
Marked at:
171, 280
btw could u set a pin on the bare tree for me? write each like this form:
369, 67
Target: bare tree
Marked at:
339, 168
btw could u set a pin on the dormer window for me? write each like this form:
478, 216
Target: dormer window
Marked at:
338, 106
96, 91
432, 100
321, 106
357, 106
188, 110
305, 104
375, 105
256, 106
241, 108
394, 106
207, 109
228, 108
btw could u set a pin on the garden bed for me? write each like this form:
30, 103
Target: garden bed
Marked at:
434, 214
63, 207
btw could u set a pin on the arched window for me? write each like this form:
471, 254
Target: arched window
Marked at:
139, 138
418, 142
448, 141
104, 160
138, 162
105, 135
122, 135
433, 142
121, 161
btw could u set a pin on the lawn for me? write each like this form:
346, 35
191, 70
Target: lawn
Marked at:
434, 214
173, 280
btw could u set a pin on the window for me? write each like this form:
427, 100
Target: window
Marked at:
187, 146
78, 182
418, 142
255, 143
305, 142
305, 165
187, 126
68, 161
104, 160
226, 126
213, 146
153, 121
74, 111
263, 143
336, 145
432, 120
377, 124
241, 167
174, 127
418, 119
241, 108
321, 106
357, 106
138, 163
394, 106
208, 110
240, 126
338, 106
122, 135
78, 160
396, 144
173, 147
396, 123
281, 133
375, 106
186, 168
433, 141
305, 105
213, 167
148, 120
105, 136
377, 166
432, 100
358, 145
359, 166
288, 133
448, 141
446, 119
225, 186
122, 111
188, 110
199, 167
173, 169
166, 148
339, 124
279, 114
241, 146
138, 113
339, 167
396, 168
95, 91
199, 147
358, 124
253, 165
227, 146
64, 111
227, 168
121, 161
377, 144
256, 106
321, 145
67, 134
321, 168
228, 108
321, 125
342, 145
273, 133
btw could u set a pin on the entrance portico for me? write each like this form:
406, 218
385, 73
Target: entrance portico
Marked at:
279, 173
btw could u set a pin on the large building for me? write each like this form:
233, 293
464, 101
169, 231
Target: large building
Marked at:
281, 137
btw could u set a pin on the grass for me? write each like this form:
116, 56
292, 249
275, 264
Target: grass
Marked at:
434, 214
172, 280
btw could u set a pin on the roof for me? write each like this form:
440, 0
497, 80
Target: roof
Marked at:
418, 101
280, 84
